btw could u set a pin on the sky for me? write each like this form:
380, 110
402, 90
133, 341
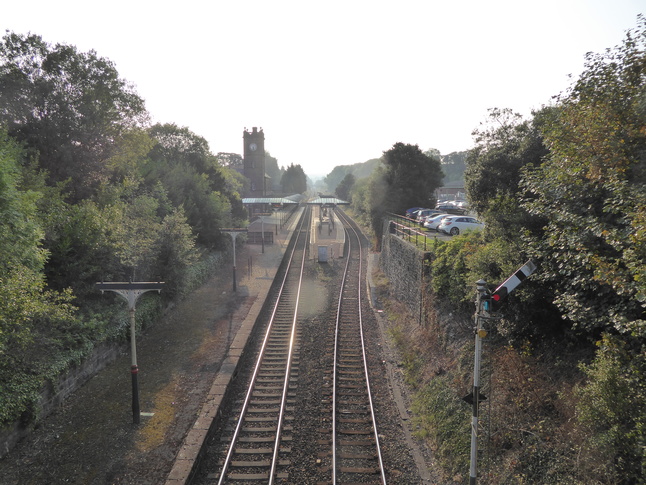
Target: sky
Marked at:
336, 82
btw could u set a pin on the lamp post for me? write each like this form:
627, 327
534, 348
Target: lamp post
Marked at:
131, 292
262, 231
234, 233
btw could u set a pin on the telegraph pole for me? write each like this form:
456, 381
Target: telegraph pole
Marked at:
131, 292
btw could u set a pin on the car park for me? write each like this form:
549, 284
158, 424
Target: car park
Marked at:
433, 222
455, 225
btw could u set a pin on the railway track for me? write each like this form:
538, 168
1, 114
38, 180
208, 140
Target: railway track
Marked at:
271, 414
257, 449
355, 451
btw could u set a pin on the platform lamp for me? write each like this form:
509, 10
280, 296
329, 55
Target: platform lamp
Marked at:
131, 291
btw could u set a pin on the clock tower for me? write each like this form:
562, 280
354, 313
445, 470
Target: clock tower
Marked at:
254, 161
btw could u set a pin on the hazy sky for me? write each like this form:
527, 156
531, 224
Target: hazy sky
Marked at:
335, 82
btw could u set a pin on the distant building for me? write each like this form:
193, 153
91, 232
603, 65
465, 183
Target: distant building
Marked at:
451, 191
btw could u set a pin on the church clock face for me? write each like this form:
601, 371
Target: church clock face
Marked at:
253, 147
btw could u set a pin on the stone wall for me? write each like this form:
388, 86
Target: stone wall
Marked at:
54, 393
403, 265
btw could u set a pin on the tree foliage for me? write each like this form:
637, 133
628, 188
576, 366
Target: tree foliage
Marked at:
411, 178
359, 170
294, 180
592, 191
504, 146
344, 189
453, 166
89, 192
406, 178
193, 179
68, 107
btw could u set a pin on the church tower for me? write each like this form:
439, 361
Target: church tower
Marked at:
254, 161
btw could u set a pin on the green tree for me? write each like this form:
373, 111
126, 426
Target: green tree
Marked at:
612, 407
28, 309
453, 166
194, 180
592, 190
504, 146
294, 180
68, 107
407, 178
230, 160
344, 189
411, 178
274, 172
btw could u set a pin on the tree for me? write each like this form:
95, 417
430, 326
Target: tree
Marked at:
294, 180
28, 309
274, 172
194, 180
68, 107
230, 160
344, 189
504, 146
453, 166
592, 190
411, 178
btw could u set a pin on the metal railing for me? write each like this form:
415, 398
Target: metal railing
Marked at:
408, 230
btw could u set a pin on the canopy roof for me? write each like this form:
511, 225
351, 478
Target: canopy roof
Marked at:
268, 200
327, 201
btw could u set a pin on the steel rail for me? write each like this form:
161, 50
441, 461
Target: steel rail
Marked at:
259, 361
350, 227
274, 460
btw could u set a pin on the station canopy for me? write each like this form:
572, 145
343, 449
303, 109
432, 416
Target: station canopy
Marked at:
327, 201
268, 200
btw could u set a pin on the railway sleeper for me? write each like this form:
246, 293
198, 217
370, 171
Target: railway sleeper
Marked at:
355, 431
261, 464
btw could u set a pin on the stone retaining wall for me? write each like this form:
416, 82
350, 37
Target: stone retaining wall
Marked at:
403, 265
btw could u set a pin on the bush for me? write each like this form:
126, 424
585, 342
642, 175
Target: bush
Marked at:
612, 406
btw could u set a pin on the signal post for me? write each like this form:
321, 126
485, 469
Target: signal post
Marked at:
486, 304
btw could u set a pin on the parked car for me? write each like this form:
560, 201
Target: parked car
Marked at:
451, 209
424, 213
413, 215
410, 212
455, 225
434, 221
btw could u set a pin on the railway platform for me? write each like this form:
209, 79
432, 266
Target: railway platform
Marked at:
327, 240
257, 284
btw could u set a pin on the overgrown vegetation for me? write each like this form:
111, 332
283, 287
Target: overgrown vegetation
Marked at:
564, 367
90, 192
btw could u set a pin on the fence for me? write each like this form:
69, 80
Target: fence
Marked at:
408, 230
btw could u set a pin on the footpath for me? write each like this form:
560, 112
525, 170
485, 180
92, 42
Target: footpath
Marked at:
186, 361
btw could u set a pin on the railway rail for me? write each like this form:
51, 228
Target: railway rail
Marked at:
256, 444
256, 448
356, 453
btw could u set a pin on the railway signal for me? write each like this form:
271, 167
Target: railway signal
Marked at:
487, 303
500, 293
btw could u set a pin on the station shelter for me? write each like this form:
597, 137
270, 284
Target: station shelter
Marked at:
327, 240
267, 216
